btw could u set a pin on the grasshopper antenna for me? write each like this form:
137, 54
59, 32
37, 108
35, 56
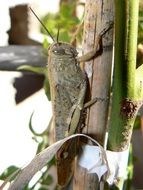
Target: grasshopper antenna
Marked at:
58, 32
42, 24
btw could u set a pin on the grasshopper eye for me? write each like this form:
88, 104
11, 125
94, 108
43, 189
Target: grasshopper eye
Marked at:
59, 51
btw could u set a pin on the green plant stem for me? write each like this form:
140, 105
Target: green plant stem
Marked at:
126, 16
121, 122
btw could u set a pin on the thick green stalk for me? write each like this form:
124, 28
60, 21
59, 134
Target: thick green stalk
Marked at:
124, 106
122, 118
132, 32
118, 85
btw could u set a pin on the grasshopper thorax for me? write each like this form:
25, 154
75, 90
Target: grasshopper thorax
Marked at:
62, 49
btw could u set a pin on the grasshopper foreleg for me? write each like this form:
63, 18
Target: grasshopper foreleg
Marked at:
88, 56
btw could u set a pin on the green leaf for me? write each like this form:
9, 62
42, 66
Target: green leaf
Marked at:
47, 181
64, 36
8, 172
65, 20
52, 162
38, 70
47, 87
45, 43
42, 188
32, 129
67, 10
50, 21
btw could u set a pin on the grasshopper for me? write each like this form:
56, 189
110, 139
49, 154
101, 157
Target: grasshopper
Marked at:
68, 88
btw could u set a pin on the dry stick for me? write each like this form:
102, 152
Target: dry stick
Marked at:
97, 15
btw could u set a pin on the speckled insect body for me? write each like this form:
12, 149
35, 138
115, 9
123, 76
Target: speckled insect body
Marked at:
67, 87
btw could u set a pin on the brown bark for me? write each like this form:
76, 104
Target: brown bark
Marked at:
97, 15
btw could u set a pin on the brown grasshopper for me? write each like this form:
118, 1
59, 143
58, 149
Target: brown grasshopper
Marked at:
67, 88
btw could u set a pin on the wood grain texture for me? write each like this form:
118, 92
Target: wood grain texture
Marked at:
97, 15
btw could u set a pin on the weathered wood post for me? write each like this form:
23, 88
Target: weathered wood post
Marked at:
97, 15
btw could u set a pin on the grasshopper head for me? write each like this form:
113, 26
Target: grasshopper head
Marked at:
58, 49
62, 49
